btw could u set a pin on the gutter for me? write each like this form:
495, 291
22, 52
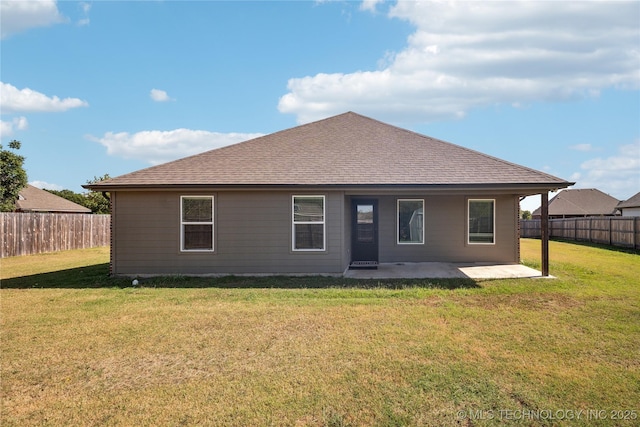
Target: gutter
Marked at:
523, 189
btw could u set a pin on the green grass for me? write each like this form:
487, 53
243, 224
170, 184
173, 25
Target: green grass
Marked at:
79, 348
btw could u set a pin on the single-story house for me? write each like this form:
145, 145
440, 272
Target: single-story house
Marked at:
33, 199
631, 206
346, 191
584, 202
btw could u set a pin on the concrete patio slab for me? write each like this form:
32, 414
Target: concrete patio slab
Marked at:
444, 270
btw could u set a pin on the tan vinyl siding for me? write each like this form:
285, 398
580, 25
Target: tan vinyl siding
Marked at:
252, 234
445, 231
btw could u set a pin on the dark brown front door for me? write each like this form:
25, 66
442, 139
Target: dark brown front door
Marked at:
364, 230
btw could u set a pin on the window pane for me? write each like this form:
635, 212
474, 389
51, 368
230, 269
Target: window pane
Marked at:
308, 209
481, 221
198, 237
197, 209
410, 221
365, 227
365, 214
309, 236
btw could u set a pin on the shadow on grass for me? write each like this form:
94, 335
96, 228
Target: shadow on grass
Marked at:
96, 276
93, 276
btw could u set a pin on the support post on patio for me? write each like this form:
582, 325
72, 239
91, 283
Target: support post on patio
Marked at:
544, 230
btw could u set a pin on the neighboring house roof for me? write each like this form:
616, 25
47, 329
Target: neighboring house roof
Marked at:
33, 199
344, 150
581, 202
632, 202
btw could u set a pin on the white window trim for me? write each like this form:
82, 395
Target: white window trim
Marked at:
294, 222
494, 221
183, 223
398, 221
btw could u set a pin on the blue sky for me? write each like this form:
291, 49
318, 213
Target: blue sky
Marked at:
100, 87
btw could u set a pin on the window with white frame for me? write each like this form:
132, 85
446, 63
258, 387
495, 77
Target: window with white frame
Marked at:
481, 214
196, 223
410, 221
308, 218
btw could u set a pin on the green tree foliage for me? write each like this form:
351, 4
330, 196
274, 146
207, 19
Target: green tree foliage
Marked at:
13, 177
525, 214
96, 201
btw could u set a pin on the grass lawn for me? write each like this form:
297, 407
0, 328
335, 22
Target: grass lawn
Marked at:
79, 348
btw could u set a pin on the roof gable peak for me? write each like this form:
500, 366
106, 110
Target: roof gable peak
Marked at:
346, 149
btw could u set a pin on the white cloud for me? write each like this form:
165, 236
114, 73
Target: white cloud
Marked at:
370, 5
46, 185
13, 100
465, 55
84, 8
159, 95
157, 147
618, 175
7, 128
19, 15
581, 147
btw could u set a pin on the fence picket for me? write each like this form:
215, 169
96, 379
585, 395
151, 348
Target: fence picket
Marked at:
33, 233
613, 231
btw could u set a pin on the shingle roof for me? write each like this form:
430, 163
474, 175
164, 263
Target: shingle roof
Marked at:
33, 199
632, 202
344, 150
588, 201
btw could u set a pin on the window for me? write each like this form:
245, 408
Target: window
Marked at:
308, 223
365, 224
482, 221
410, 221
196, 223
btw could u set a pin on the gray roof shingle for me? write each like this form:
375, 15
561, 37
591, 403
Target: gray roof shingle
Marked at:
344, 150
632, 202
33, 199
587, 201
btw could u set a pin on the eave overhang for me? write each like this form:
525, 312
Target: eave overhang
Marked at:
523, 189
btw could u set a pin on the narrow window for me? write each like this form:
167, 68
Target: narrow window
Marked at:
308, 223
196, 222
481, 221
410, 221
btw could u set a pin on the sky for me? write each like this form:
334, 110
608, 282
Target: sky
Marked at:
109, 87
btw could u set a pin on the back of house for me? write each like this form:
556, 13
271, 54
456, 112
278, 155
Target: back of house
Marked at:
316, 199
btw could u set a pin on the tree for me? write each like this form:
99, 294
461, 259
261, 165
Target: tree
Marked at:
526, 215
97, 202
13, 177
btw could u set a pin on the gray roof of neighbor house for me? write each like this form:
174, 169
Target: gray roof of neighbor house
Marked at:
344, 150
632, 202
581, 202
33, 199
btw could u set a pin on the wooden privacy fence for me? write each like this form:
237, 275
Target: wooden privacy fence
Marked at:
34, 233
614, 231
